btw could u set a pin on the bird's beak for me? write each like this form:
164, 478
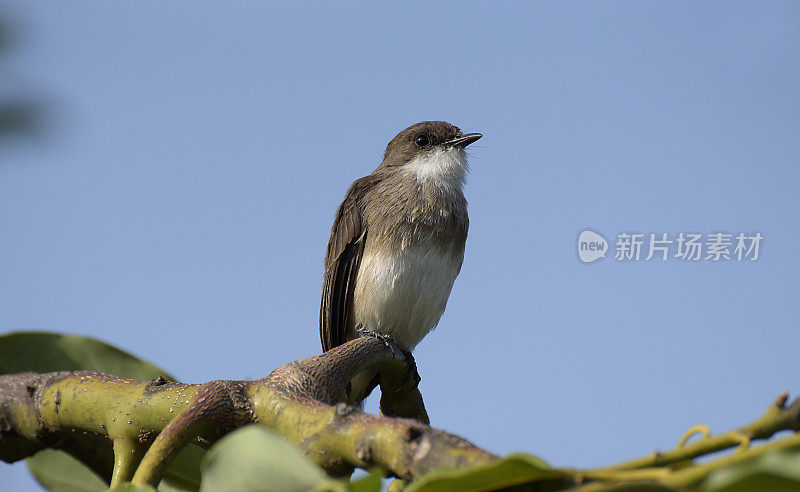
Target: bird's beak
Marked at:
464, 140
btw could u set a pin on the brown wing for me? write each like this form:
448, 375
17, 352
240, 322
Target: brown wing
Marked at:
345, 248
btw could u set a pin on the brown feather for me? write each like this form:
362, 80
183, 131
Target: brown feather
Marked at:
345, 247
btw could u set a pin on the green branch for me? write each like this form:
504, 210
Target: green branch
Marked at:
150, 422
675, 468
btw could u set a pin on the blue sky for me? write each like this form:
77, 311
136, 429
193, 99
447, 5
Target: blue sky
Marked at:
178, 201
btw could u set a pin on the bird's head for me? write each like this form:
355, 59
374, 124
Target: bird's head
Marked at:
433, 151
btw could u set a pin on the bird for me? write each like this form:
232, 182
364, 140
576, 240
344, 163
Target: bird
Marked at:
397, 241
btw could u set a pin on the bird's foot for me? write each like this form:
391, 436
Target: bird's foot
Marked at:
388, 340
412, 374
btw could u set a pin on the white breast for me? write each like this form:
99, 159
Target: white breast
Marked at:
404, 295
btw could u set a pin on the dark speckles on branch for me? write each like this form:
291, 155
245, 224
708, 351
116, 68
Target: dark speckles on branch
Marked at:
364, 453
412, 432
343, 409
146, 436
157, 385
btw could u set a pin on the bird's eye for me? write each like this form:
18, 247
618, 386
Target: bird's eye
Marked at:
421, 140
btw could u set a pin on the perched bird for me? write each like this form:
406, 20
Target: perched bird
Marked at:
397, 241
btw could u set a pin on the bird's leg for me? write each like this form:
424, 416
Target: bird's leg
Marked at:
404, 399
412, 374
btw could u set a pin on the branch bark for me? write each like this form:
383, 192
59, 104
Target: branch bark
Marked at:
131, 430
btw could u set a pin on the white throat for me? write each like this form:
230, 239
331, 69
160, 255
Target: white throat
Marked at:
446, 168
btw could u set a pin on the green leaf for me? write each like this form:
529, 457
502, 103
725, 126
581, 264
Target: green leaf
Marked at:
254, 459
331, 485
184, 472
638, 487
129, 487
516, 469
369, 483
57, 471
776, 471
47, 352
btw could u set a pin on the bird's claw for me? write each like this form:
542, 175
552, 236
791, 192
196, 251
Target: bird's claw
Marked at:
387, 340
412, 374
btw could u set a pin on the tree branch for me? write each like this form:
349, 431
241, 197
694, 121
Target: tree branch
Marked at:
671, 468
147, 423
130, 430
